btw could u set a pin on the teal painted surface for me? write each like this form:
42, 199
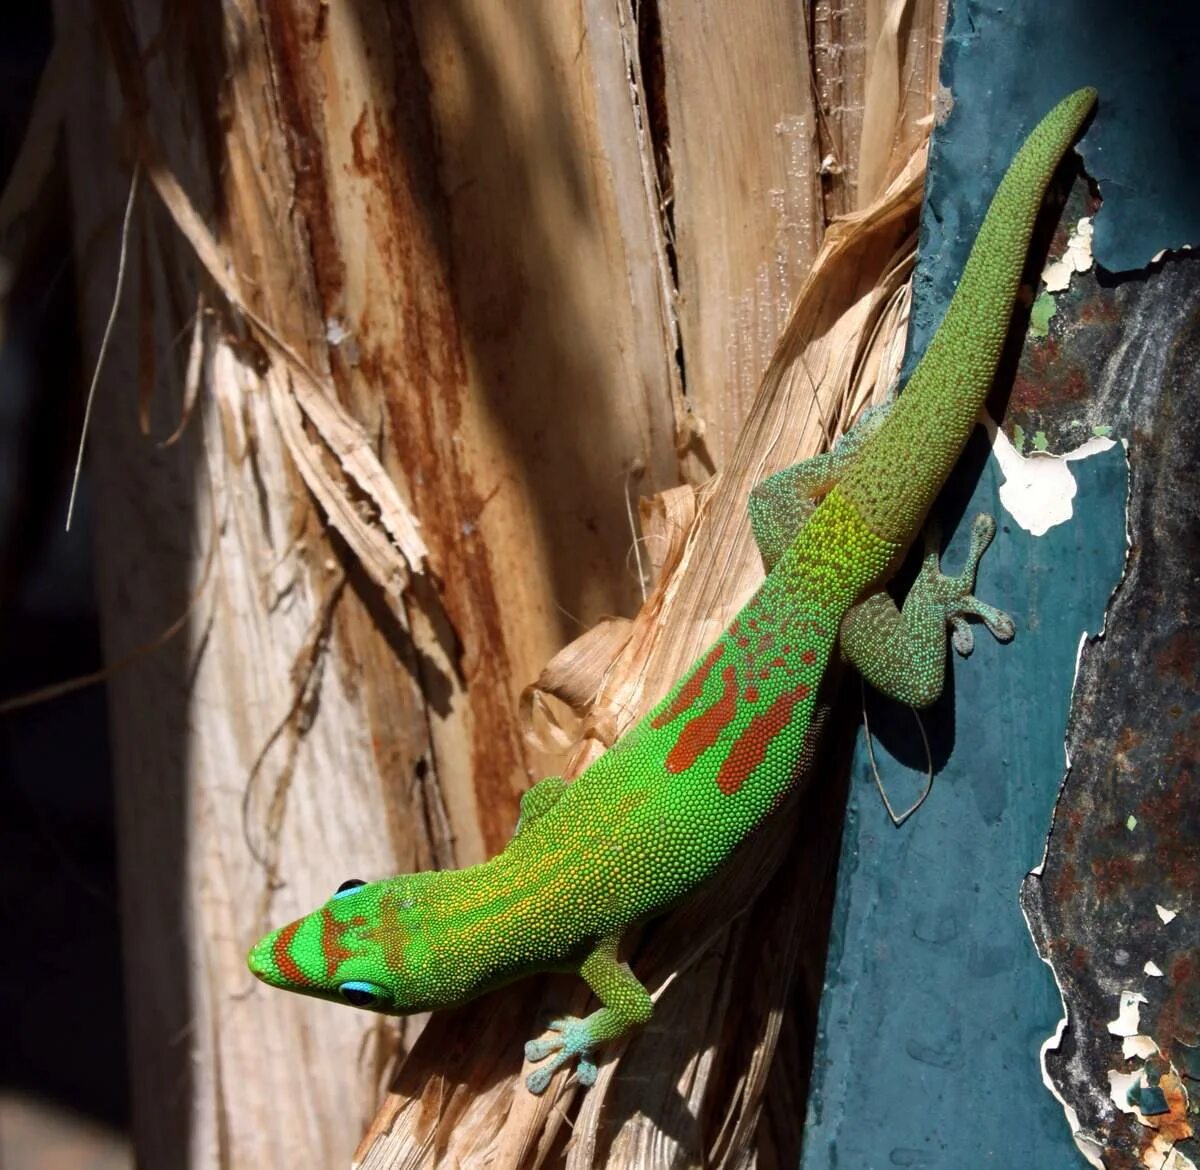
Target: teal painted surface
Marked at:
1005, 65
936, 1004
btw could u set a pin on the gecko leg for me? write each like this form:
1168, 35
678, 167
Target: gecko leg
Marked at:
626, 1004
781, 505
902, 652
538, 800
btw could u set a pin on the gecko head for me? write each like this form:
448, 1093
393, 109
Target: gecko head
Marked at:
368, 946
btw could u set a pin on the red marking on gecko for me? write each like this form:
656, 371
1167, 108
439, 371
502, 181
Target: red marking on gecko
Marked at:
808, 657
691, 690
701, 731
750, 748
281, 952
332, 933
752, 694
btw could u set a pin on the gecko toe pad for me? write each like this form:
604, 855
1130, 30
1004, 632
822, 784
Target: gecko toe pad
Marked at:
572, 1040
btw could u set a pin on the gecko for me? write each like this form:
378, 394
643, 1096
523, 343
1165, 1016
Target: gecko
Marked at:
674, 798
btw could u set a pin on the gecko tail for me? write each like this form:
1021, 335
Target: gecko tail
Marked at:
901, 469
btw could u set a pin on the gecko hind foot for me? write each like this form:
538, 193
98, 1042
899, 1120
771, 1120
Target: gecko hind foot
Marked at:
955, 594
573, 1041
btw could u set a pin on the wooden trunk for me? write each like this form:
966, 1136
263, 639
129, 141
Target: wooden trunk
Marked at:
420, 299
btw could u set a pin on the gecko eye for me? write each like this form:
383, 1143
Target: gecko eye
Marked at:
361, 994
348, 885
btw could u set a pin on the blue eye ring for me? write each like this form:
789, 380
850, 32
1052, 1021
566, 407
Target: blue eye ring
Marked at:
348, 887
361, 994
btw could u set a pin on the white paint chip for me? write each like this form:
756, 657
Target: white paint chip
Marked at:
1152, 968
1127, 1021
1165, 914
1038, 489
1174, 1159
1077, 257
1119, 1084
1088, 1146
1138, 1047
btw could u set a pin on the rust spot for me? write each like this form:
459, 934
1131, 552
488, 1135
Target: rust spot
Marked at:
1177, 659
1066, 884
1112, 874
1099, 311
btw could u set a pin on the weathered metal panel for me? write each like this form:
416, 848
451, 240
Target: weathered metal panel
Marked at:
937, 1005
1116, 911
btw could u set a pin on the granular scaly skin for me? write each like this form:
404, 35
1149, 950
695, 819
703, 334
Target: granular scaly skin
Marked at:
931, 421
673, 799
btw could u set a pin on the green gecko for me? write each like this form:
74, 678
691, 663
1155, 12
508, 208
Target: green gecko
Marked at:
672, 800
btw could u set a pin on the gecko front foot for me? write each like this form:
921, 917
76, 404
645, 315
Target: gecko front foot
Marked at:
573, 1041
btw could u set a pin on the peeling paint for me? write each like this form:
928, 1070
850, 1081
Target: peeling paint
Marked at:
1166, 915
1152, 968
1153, 1092
1038, 490
1138, 1047
1089, 1148
1126, 1023
1076, 258
1174, 1160
1120, 1086
1041, 314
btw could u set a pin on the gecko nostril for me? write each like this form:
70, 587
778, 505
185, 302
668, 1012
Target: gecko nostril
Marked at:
254, 960
260, 959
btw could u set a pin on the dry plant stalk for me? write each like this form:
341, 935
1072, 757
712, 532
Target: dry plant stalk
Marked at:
435, 266
464, 1103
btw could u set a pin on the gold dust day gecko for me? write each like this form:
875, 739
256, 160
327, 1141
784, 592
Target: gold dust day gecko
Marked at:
672, 800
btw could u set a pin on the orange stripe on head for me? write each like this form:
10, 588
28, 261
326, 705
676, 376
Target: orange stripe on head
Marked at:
750, 748
332, 933
701, 731
282, 954
691, 690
